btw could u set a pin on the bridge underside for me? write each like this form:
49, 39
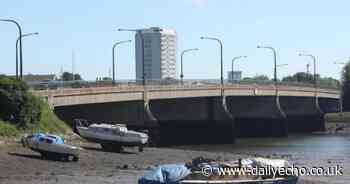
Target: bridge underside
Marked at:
205, 121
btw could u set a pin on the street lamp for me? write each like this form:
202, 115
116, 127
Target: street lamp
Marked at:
182, 54
20, 43
113, 56
18, 39
139, 32
275, 61
314, 60
281, 65
233, 60
339, 63
221, 57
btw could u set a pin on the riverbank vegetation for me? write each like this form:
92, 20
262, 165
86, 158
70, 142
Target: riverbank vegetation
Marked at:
338, 117
22, 112
346, 87
345, 83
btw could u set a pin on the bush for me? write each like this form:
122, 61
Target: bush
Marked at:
7, 129
346, 87
17, 105
49, 122
337, 117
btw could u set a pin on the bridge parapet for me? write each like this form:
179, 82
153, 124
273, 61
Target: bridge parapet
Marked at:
72, 96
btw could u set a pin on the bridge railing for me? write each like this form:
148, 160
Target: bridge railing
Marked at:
162, 84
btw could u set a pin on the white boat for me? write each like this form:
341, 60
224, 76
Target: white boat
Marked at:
51, 146
111, 137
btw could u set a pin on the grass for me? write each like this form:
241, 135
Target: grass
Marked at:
338, 117
49, 123
7, 129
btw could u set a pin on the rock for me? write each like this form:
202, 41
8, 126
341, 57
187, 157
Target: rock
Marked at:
125, 166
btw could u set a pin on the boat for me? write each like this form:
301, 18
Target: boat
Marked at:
239, 172
193, 173
111, 137
51, 147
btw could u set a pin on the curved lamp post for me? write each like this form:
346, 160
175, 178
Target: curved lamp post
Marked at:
17, 41
281, 65
139, 32
182, 54
20, 44
113, 56
315, 80
339, 63
275, 61
314, 61
233, 61
221, 57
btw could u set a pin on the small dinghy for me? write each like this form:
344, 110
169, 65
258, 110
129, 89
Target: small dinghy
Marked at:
111, 137
51, 147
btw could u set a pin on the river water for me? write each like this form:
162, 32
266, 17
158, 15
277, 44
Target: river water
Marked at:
302, 150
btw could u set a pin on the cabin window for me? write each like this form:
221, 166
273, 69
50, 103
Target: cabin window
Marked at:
50, 141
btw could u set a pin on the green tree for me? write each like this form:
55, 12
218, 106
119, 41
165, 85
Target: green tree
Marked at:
66, 76
261, 78
17, 104
300, 77
257, 78
303, 77
346, 87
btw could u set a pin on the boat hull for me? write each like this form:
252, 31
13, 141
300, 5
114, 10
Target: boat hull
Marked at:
122, 140
111, 142
52, 151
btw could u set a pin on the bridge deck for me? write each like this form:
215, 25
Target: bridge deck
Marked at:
75, 96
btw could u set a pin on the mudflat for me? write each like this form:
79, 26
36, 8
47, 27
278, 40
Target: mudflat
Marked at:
20, 165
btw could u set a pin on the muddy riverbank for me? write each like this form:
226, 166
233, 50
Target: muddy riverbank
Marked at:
21, 166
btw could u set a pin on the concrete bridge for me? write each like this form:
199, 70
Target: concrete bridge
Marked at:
199, 114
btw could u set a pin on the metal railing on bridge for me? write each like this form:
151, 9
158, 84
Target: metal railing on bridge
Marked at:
171, 83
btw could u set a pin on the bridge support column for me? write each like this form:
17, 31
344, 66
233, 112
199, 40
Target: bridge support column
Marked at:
317, 105
150, 121
282, 114
224, 105
319, 111
148, 116
227, 117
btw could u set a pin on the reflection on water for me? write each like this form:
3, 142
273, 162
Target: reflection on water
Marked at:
291, 144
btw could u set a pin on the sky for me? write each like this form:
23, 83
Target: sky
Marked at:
90, 28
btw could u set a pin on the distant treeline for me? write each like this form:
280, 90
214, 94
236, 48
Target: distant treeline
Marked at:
300, 77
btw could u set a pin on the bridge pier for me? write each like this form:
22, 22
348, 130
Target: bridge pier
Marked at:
193, 121
258, 116
303, 114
